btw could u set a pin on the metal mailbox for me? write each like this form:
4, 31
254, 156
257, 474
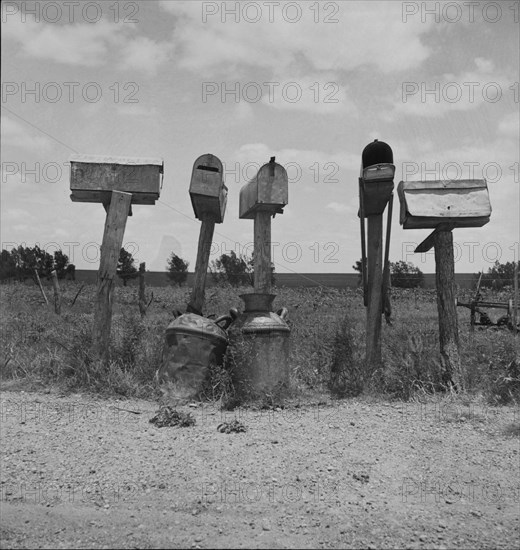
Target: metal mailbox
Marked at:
268, 191
461, 203
207, 190
93, 178
377, 177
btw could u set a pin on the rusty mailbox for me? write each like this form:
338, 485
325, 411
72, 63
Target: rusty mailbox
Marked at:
268, 191
458, 203
93, 178
207, 190
377, 177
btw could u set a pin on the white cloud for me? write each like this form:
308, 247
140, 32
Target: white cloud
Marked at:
221, 45
16, 134
339, 207
448, 93
88, 44
509, 126
76, 44
143, 54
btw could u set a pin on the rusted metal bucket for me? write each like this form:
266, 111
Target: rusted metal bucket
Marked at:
259, 348
193, 344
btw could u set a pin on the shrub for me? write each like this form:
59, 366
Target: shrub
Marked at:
406, 275
177, 269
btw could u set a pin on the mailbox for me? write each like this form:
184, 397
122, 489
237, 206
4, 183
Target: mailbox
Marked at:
207, 190
268, 191
93, 178
426, 204
377, 177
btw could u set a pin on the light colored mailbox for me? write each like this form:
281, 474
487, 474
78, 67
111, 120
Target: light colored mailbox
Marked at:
460, 203
268, 191
93, 178
207, 190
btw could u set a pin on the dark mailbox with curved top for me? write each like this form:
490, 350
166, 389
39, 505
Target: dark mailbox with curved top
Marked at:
207, 190
268, 191
377, 177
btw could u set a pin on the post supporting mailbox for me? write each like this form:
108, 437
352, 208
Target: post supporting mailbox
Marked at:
262, 197
376, 184
117, 183
445, 205
209, 197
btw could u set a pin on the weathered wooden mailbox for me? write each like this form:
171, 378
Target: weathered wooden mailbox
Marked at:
260, 337
93, 178
376, 185
267, 192
460, 203
117, 183
209, 198
207, 190
443, 205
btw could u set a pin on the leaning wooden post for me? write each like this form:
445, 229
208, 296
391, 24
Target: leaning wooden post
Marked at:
110, 248
443, 205
376, 183
57, 294
515, 298
446, 307
117, 183
209, 197
41, 287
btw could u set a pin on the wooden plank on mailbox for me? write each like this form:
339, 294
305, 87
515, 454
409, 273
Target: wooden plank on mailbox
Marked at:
426, 204
207, 190
268, 191
93, 178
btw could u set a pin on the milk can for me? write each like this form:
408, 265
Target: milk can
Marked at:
193, 344
259, 347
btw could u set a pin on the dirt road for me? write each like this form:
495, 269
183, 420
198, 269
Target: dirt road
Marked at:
83, 473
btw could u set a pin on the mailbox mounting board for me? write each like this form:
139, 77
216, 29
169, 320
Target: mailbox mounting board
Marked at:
268, 191
426, 204
93, 178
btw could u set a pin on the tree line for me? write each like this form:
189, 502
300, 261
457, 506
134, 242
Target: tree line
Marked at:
21, 263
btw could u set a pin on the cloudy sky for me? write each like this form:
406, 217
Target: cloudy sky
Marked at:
310, 82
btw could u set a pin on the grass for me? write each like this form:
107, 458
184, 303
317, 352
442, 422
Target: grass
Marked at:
39, 348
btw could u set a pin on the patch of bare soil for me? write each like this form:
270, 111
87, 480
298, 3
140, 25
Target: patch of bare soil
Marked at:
78, 472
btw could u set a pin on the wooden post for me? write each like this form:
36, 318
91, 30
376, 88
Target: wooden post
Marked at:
207, 229
41, 287
57, 296
515, 298
110, 248
375, 286
262, 244
448, 322
142, 297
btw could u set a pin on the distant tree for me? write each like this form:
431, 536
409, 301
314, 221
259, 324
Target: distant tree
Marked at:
236, 270
499, 276
26, 260
125, 266
7, 266
405, 275
61, 262
231, 269
177, 269
358, 266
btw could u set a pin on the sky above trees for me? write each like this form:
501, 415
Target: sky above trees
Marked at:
309, 82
